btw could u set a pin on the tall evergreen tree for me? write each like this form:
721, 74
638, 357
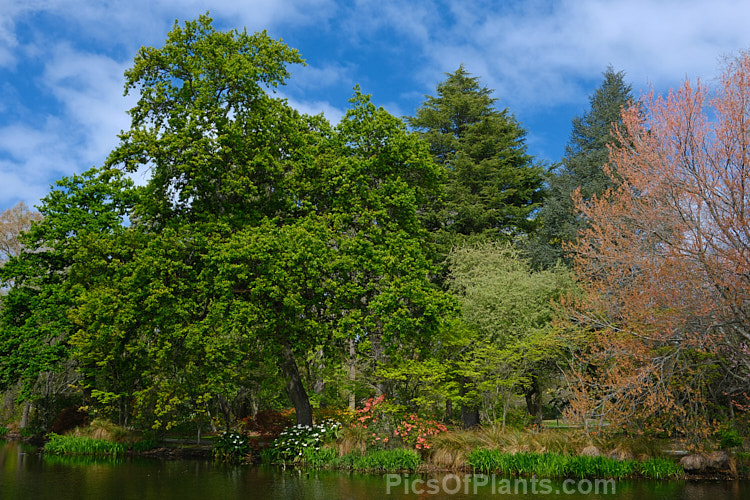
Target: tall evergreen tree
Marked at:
493, 185
581, 167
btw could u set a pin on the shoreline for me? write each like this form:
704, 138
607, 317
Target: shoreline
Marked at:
182, 450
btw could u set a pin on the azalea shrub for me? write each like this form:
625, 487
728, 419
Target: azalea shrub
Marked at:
293, 442
416, 431
388, 425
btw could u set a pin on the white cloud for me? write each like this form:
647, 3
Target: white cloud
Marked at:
31, 156
540, 55
331, 112
317, 77
90, 88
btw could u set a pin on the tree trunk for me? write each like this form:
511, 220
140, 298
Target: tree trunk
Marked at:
448, 409
469, 414
319, 376
533, 397
25, 415
295, 388
352, 375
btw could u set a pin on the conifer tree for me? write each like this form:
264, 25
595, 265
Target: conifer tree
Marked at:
582, 167
493, 185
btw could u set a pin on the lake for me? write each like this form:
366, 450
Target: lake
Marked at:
29, 475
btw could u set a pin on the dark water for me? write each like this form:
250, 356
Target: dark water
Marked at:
27, 474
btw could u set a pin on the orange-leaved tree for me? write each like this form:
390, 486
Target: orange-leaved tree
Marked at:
665, 264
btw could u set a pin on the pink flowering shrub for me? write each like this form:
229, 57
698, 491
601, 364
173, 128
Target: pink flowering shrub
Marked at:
385, 422
415, 431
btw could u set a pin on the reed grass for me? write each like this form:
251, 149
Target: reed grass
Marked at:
77, 445
323, 457
555, 465
659, 468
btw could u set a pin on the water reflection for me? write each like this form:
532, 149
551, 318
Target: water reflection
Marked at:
27, 474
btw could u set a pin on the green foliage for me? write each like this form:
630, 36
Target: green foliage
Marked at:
507, 344
76, 445
728, 438
45, 284
205, 124
231, 447
659, 468
319, 457
144, 445
3, 431
584, 466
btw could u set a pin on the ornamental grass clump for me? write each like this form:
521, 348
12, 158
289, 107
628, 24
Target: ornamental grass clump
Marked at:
292, 443
100, 428
450, 449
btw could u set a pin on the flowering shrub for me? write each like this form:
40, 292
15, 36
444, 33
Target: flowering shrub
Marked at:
291, 444
385, 421
377, 418
231, 447
415, 431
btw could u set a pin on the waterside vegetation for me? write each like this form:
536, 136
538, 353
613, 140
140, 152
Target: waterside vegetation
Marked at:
386, 293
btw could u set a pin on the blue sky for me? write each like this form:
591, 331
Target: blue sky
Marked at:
62, 62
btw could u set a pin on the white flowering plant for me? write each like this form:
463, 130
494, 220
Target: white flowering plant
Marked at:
231, 446
299, 442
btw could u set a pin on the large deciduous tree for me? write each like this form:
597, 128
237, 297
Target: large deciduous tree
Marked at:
512, 346
665, 262
298, 233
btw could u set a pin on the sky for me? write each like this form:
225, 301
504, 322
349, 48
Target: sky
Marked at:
62, 62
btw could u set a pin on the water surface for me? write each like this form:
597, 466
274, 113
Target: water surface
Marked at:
27, 474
